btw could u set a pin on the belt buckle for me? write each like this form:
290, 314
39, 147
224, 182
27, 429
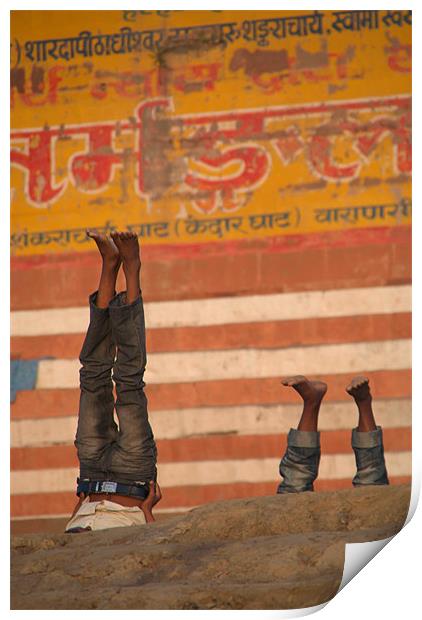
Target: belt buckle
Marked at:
108, 487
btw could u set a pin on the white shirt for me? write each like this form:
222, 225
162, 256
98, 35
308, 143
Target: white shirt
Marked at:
105, 514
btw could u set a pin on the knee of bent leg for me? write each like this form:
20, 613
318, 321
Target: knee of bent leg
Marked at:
89, 449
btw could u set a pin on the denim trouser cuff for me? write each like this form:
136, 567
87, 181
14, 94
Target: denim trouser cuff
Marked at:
369, 455
94, 310
303, 439
369, 439
299, 465
119, 304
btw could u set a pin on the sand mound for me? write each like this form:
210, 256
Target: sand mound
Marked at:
262, 553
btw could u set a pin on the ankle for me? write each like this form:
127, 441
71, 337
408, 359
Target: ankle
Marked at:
365, 401
312, 402
111, 264
366, 427
132, 266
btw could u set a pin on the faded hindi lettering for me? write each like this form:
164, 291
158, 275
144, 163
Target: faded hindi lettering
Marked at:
353, 215
246, 140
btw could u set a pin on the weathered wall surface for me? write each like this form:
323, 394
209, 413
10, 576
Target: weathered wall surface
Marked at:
193, 127
264, 159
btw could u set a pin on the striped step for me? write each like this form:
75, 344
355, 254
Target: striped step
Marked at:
234, 421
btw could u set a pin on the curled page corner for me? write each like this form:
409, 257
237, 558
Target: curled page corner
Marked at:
414, 497
358, 555
288, 613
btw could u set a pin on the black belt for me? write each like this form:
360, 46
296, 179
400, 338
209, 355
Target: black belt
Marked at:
136, 489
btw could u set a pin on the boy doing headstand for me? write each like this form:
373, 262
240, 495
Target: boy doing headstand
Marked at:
117, 482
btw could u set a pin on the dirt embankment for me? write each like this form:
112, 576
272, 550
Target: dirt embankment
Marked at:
279, 552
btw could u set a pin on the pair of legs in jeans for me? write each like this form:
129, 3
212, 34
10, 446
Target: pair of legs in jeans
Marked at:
299, 465
123, 458
118, 463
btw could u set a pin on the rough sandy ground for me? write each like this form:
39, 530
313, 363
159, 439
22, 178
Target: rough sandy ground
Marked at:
263, 553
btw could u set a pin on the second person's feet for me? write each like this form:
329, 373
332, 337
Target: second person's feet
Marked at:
359, 389
312, 393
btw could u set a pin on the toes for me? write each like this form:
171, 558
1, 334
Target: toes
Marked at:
359, 381
94, 235
286, 381
356, 384
291, 381
297, 379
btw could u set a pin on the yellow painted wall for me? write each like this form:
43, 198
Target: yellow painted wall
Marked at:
196, 126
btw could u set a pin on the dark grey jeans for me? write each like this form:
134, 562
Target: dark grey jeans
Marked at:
115, 341
300, 463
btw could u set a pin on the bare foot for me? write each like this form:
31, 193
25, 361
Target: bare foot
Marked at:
107, 248
128, 247
311, 391
111, 264
359, 389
